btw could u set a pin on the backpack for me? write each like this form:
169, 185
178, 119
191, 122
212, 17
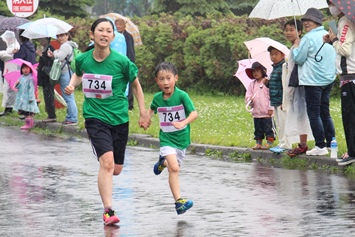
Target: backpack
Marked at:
75, 53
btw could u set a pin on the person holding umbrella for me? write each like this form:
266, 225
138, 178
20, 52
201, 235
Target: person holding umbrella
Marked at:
104, 74
43, 69
316, 72
65, 54
121, 28
344, 45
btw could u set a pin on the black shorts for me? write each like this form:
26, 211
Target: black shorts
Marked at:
105, 138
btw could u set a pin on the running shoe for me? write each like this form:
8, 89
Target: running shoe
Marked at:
159, 166
316, 151
110, 217
182, 205
347, 161
297, 151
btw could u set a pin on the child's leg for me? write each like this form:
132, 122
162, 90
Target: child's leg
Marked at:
270, 136
258, 133
173, 167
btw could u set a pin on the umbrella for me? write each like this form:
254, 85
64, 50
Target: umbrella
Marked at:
258, 50
11, 42
24, 26
272, 9
59, 98
346, 7
12, 71
46, 27
130, 27
10, 23
241, 75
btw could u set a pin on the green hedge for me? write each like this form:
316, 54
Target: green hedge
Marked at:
205, 50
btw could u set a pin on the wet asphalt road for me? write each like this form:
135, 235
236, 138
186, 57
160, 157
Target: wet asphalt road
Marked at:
48, 187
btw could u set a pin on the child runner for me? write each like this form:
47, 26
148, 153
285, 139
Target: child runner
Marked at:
104, 74
176, 111
294, 101
258, 96
25, 98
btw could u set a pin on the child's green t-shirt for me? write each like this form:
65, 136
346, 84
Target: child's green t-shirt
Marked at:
175, 108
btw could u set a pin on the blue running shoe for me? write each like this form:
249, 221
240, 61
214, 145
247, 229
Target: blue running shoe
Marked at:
159, 166
182, 205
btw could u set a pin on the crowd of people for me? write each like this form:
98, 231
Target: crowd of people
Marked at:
298, 91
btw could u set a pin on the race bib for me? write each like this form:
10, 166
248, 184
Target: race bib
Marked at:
97, 86
167, 115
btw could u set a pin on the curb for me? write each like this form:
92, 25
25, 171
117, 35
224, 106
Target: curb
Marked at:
195, 149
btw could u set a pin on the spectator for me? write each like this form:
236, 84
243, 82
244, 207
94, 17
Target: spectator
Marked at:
65, 54
121, 28
344, 45
316, 71
43, 69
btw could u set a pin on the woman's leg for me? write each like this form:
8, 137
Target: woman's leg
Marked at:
313, 101
105, 183
72, 110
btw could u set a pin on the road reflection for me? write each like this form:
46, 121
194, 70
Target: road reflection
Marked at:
48, 187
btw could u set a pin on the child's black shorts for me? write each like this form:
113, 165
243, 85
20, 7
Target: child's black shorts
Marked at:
105, 138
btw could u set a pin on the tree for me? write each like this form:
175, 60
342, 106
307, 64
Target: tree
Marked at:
124, 7
190, 7
4, 10
241, 7
66, 8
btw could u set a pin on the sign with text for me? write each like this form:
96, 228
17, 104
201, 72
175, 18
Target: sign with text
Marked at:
22, 8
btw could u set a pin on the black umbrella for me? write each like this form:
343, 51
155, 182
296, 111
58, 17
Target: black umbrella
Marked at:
10, 23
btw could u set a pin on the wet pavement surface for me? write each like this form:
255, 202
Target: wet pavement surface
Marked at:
48, 187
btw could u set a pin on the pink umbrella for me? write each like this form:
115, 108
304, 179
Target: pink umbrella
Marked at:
241, 75
258, 50
244, 78
12, 71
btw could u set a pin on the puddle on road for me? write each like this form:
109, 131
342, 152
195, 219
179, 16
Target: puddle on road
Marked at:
48, 187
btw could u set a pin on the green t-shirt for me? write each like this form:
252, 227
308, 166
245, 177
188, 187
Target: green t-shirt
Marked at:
175, 108
112, 110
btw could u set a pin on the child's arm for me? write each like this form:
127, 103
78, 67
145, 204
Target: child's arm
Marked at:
150, 114
189, 119
144, 121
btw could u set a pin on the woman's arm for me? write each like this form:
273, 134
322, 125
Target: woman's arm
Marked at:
300, 51
74, 82
144, 120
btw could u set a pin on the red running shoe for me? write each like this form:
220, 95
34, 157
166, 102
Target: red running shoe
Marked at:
110, 217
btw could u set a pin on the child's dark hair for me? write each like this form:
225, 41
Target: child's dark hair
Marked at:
98, 21
25, 65
298, 24
165, 66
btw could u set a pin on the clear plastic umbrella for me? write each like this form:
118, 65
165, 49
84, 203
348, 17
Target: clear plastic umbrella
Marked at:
272, 9
46, 27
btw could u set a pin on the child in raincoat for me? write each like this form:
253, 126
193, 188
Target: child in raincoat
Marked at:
257, 96
26, 98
